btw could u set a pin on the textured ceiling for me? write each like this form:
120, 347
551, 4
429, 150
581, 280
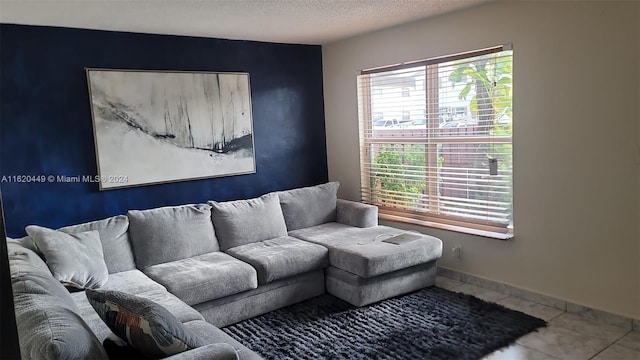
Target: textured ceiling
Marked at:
288, 21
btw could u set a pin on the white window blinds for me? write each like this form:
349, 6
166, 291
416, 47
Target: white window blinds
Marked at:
435, 141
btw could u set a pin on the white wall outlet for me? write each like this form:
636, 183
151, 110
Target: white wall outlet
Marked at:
457, 251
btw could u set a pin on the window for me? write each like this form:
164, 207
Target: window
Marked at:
453, 170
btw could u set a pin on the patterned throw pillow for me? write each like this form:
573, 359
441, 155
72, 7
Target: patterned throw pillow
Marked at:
146, 326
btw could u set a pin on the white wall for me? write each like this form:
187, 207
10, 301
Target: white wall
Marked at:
576, 140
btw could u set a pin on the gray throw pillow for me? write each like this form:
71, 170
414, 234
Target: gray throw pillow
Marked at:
74, 259
309, 206
247, 221
171, 233
147, 326
114, 237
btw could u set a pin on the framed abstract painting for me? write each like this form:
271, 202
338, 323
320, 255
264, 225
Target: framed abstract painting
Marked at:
164, 126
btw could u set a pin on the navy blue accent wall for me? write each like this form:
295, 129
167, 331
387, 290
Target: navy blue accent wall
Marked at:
46, 127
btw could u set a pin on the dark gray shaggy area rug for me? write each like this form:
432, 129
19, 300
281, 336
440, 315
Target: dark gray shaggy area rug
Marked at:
432, 323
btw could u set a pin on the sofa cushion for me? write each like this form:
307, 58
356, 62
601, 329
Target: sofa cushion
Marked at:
26, 242
172, 303
213, 335
145, 325
28, 254
132, 282
361, 251
115, 241
31, 276
171, 233
74, 259
48, 321
309, 206
90, 317
204, 277
281, 257
356, 213
246, 221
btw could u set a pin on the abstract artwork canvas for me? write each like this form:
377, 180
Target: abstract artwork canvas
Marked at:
155, 127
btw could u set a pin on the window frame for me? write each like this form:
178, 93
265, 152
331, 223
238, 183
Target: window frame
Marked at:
431, 141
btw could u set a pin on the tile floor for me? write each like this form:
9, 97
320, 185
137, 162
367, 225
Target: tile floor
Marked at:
568, 336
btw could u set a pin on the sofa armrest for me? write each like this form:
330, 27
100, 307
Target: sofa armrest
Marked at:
219, 351
356, 214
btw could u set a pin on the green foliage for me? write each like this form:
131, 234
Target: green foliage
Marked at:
496, 76
400, 168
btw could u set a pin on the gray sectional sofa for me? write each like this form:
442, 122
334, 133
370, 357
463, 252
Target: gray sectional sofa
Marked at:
212, 265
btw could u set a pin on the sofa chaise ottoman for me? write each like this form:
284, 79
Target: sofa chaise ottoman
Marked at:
364, 269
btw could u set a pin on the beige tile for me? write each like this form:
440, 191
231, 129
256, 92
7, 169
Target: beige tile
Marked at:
518, 352
563, 343
446, 283
631, 340
581, 325
480, 293
540, 311
615, 352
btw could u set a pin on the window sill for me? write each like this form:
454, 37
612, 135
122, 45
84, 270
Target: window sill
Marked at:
460, 229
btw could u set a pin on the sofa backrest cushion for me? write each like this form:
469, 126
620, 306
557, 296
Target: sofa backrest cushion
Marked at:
247, 221
48, 320
115, 241
74, 259
171, 233
26, 242
309, 206
24, 256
